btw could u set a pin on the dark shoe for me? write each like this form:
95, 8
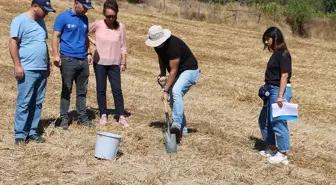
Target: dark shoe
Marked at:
86, 123
177, 131
64, 124
36, 138
20, 141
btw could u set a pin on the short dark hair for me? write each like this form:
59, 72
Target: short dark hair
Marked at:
278, 43
112, 4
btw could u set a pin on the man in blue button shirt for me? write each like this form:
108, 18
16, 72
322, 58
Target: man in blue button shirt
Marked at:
70, 45
31, 68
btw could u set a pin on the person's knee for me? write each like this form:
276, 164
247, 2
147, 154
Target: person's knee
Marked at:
81, 93
66, 92
23, 102
117, 91
279, 130
177, 92
22, 106
81, 89
39, 106
101, 90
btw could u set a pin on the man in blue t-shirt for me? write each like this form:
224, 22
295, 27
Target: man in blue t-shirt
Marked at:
31, 68
70, 44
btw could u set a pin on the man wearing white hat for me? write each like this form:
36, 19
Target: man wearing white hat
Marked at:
176, 58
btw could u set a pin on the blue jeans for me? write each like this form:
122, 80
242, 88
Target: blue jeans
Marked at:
182, 85
276, 131
31, 94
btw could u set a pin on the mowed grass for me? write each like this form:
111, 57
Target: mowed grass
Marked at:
223, 108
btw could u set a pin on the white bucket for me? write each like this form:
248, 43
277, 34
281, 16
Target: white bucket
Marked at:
107, 145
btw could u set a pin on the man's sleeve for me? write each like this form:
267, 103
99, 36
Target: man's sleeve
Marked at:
16, 28
45, 29
174, 51
59, 23
87, 24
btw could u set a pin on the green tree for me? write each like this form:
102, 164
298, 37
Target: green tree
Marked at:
329, 6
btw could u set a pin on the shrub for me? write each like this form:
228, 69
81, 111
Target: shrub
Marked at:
272, 10
299, 13
332, 17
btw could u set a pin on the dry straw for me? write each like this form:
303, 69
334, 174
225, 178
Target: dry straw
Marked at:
223, 108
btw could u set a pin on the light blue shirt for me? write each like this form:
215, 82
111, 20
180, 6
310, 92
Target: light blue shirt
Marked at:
32, 45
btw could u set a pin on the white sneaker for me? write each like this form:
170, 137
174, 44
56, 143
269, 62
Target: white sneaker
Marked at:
185, 131
268, 152
278, 158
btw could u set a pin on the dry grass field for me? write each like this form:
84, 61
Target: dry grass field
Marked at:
222, 109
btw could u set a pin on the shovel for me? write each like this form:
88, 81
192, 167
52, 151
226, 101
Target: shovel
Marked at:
169, 139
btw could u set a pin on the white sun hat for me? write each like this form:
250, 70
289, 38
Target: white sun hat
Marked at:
157, 35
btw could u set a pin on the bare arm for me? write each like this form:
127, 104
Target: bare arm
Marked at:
92, 40
283, 83
123, 62
13, 50
123, 59
55, 47
162, 68
89, 56
87, 43
173, 72
92, 29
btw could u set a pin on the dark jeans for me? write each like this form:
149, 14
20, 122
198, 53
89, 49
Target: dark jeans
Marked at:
74, 70
113, 74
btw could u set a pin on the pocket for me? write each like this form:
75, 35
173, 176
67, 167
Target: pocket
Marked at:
196, 76
65, 59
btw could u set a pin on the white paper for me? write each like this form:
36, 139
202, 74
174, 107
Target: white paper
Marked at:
288, 109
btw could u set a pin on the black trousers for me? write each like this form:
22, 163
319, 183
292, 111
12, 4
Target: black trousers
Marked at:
78, 71
113, 74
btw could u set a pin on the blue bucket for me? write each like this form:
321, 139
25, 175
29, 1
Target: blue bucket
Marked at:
107, 145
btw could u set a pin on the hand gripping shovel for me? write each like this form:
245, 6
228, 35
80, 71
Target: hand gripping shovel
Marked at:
169, 139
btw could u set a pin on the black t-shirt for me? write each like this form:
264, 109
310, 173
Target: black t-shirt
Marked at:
279, 62
175, 48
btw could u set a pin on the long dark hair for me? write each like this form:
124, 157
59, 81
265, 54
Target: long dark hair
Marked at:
278, 40
112, 4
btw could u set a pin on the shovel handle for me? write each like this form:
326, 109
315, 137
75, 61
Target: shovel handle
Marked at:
166, 109
165, 106
165, 102
160, 83
167, 116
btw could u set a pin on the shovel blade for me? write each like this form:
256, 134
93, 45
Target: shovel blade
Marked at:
170, 142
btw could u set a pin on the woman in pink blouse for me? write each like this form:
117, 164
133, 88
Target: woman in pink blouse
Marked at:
109, 59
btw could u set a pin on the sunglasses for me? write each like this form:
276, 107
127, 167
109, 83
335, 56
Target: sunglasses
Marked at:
110, 16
